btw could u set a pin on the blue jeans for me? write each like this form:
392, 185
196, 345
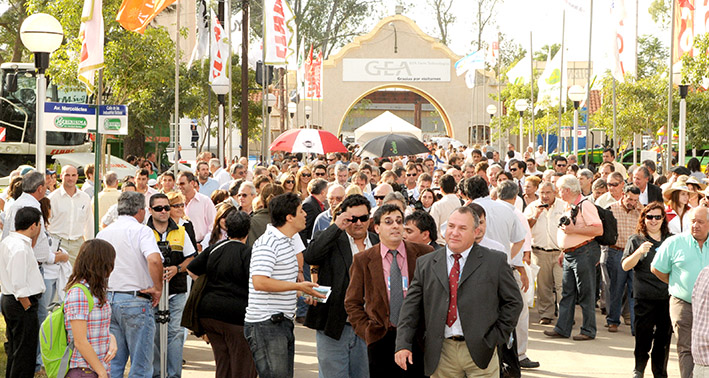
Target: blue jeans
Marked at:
578, 284
619, 280
343, 358
175, 339
133, 325
301, 307
273, 347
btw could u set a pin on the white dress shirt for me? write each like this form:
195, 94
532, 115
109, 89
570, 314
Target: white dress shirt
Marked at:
19, 272
441, 210
643, 196
72, 217
133, 243
353, 246
41, 247
222, 176
88, 188
545, 228
456, 329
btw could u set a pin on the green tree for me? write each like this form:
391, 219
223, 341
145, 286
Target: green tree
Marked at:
660, 12
652, 56
694, 73
10, 20
547, 52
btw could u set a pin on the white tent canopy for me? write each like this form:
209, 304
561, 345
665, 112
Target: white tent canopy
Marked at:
385, 124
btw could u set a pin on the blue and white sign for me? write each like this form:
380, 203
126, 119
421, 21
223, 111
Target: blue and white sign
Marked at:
113, 119
81, 118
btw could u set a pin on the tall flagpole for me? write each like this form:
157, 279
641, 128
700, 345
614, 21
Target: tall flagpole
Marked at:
532, 135
264, 81
499, 100
669, 94
588, 83
561, 86
176, 140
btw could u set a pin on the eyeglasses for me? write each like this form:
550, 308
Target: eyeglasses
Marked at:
335, 199
390, 222
614, 184
289, 182
655, 217
330, 159
159, 209
362, 218
411, 174
319, 174
379, 197
178, 205
305, 174
243, 195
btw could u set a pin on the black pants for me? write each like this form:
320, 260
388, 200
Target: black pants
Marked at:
381, 359
509, 359
22, 336
653, 330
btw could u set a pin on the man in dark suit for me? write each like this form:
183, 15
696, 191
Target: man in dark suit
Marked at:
340, 351
313, 206
465, 297
648, 192
379, 280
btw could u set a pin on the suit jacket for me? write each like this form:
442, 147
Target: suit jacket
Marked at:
654, 193
489, 304
330, 249
366, 301
312, 210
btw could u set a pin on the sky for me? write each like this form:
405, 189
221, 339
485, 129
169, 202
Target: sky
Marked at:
517, 18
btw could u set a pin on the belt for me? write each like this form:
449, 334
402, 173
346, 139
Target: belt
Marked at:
457, 338
567, 250
546, 250
618, 248
135, 293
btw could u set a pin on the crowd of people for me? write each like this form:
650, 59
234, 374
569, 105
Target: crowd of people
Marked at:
413, 266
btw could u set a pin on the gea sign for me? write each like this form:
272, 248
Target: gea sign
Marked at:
81, 118
397, 70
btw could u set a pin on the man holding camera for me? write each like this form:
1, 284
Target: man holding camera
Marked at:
177, 252
579, 250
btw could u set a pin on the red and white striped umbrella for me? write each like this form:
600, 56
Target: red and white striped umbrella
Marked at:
308, 141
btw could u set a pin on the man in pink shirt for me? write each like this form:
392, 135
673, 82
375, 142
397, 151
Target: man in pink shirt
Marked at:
199, 208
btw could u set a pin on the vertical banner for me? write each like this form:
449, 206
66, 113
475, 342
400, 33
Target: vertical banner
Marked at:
549, 84
623, 46
691, 18
279, 33
136, 15
91, 35
219, 52
200, 48
314, 75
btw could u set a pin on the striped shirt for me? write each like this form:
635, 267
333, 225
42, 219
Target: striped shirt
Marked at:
273, 255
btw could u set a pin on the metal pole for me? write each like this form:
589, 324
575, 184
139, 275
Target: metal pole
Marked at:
176, 126
576, 131
264, 114
615, 118
669, 93
228, 156
561, 83
245, 78
163, 320
41, 137
499, 102
521, 132
588, 89
682, 124
221, 98
97, 152
532, 135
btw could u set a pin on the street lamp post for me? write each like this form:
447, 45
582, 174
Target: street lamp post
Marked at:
521, 105
42, 34
270, 103
683, 88
576, 94
491, 110
292, 109
220, 86
308, 113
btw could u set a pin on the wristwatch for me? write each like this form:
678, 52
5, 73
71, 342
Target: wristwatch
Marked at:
179, 268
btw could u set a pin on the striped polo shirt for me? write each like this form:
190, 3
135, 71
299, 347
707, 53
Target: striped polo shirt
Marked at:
273, 255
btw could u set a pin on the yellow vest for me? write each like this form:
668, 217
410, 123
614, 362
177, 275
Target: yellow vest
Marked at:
175, 237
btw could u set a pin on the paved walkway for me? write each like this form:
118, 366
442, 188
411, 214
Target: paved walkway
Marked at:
610, 355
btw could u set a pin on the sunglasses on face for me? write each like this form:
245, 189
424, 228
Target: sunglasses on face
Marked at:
178, 205
362, 218
561, 165
655, 217
159, 209
306, 175
320, 174
614, 184
379, 197
410, 174
390, 222
290, 182
513, 169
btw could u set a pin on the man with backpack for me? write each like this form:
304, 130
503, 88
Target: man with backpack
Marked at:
579, 249
22, 285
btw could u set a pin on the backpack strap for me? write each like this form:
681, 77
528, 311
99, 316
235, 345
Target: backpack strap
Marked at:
87, 293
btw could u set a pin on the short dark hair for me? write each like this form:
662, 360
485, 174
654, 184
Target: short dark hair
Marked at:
476, 187
477, 209
384, 210
399, 171
157, 196
282, 206
611, 151
238, 224
188, 175
26, 217
447, 183
558, 158
476, 151
650, 165
520, 165
355, 200
631, 189
424, 222
142, 172
320, 166
318, 186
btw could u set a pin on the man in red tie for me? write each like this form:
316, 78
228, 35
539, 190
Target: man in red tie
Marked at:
470, 286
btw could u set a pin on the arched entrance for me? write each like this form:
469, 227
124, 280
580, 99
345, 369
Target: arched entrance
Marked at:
438, 107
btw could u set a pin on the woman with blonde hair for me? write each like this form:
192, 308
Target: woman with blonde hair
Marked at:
177, 214
677, 200
305, 174
353, 189
288, 183
219, 227
531, 184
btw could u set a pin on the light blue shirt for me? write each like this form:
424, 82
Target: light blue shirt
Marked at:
322, 221
209, 187
683, 259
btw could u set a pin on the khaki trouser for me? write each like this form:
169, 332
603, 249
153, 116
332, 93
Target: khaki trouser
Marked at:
522, 328
456, 362
549, 277
681, 316
72, 248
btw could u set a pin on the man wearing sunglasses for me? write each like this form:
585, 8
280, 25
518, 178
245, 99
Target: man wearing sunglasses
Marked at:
180, 254
341, 353
379, 280
560, 164
615, 190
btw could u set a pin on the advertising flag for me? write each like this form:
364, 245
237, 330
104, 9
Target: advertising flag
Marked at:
91, 37
520, 72
314, 76
200, 49
473, 61
219, 52
549, 84
622, 47
690, 21
279, 32
135, 15
493, 51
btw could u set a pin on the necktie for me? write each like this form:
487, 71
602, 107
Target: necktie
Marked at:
396, 289
453, 286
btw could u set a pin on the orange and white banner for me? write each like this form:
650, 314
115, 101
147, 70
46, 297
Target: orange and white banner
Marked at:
280, 33
135, 15
91, 37
691, 19
623, 39
313, 76
219, 53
